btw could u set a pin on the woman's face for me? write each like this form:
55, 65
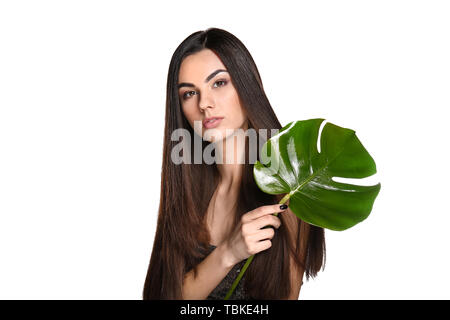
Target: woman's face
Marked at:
205, 90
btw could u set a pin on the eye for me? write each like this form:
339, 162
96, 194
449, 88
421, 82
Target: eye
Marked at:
221, 81
186, 94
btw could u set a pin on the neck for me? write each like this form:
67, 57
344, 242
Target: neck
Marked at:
230, 156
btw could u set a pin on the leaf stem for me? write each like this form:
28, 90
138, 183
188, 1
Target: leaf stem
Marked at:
250, 259
285, 198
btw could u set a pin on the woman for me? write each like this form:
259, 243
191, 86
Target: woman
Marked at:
212, 217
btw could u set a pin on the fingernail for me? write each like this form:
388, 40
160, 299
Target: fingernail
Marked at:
283, 206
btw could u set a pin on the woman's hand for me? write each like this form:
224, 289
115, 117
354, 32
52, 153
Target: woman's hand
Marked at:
245, 240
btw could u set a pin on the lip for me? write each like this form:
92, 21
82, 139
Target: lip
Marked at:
213, 124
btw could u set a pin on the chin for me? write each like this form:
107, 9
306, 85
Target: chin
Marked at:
217, 135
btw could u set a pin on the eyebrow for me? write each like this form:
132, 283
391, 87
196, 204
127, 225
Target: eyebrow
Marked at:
187, 84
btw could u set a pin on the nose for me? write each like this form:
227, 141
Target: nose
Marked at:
204, 104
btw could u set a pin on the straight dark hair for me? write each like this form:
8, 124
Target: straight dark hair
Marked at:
186, 190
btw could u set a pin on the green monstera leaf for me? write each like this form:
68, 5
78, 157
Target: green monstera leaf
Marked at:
292, 165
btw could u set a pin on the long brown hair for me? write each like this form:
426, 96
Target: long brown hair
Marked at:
186, 189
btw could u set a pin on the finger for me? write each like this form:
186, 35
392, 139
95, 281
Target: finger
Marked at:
264, 234
263, 245
262, 211
267, 221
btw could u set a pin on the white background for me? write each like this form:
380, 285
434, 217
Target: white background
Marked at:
82, 98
